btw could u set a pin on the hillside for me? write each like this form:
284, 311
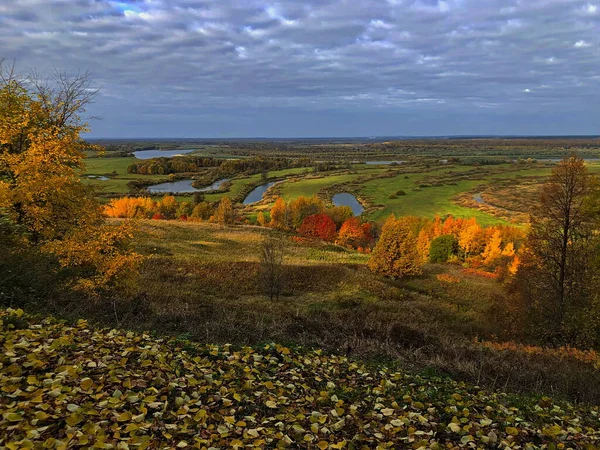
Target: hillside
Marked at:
69, 386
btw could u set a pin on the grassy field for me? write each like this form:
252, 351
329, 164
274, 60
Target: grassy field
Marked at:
311, 186
429, 191
239, 184
118, 183
202, 281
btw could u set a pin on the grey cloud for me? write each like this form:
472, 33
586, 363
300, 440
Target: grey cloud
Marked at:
340, 60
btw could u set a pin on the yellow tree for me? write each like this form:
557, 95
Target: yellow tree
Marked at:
493, 249
468, 236
260, 219
224, 214
41, 160
279, 214
396, 254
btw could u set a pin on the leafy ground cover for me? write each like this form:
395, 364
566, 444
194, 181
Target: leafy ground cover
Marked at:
74, 386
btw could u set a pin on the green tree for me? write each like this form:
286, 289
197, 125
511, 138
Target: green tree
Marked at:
442, 248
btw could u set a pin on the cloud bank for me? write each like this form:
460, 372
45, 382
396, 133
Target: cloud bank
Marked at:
320, 67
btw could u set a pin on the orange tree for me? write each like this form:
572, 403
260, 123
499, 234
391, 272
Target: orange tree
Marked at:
41, 194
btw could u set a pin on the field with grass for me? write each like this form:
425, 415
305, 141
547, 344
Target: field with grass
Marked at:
73, 385
202, 282
461, 186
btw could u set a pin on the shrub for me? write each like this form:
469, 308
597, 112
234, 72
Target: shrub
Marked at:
400, 192
319, 226
442, 248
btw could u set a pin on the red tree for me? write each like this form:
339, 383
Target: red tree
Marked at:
354, 234
319, 226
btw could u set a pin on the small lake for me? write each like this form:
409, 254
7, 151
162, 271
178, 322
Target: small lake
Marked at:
345, 199
382, 163
184, 186
478, 198
257, 193
98, 177
149, 154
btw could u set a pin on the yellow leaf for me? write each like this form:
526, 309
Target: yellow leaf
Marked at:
512, 431
86, 384
124, 417
12, 417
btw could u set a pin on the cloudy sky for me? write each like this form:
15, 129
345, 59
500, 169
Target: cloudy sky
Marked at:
292, 68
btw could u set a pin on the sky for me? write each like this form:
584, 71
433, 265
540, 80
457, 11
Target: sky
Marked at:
320, 68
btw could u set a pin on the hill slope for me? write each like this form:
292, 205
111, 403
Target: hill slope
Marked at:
74, 386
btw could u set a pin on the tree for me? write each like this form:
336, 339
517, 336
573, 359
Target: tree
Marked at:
41, 161
556, 280
168, 207
260, 219
202, 211
198, 197
303, 207
355, 234
469, 237
224, 213
271, 272
184, 210
493, 249
339, 214
396, 254
319, 226
442, 248
280, 214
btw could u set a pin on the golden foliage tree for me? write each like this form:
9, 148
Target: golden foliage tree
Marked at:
260, 219
224, 214
41, 160
280, 214
556, 282
396, 253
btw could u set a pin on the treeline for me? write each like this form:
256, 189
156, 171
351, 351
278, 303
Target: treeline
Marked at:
176, 164
407, 243
224, 167
313, 219
168, 208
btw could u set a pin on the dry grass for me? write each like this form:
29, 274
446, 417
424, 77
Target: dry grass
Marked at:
201, 283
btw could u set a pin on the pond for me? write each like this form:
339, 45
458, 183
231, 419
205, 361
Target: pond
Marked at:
257, 193
382, 163
478, 198
345, 199
184, 186
149, 154
99, 177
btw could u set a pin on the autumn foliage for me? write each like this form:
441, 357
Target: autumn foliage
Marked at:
355, 234
489, 250
396, 254
121, 389
41, 193
319, 226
